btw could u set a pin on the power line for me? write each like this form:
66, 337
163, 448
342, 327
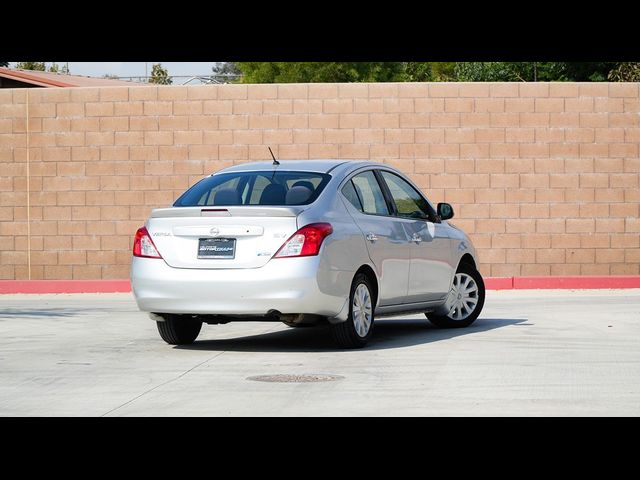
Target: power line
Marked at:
206, 79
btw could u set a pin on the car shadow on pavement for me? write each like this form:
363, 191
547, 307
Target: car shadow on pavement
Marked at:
395, 333
53, 312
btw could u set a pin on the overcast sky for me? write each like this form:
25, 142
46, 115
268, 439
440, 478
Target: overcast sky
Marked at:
130, 69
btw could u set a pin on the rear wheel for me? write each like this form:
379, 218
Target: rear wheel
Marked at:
179, 329
356, 331
465, 299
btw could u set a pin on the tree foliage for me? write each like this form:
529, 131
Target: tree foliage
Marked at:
38, 66
307, 72
160, 75
225, 68
428, 72
54, 68
4, 64
42, 67
443, 71
418, 72
586, 71
318, 72
532, 71
625, 72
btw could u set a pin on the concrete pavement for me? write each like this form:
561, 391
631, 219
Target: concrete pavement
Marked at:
530, 353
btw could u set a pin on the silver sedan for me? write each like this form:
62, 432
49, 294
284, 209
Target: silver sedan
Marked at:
304, 242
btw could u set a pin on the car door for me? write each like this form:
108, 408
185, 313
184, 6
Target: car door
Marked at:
431, 271
386, 238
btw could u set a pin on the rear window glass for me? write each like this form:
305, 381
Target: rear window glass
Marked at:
255, 188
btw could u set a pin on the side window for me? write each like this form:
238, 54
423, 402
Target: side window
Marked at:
350, 194
370, 194
408, 201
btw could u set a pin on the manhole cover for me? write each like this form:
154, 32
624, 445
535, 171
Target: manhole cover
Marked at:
295, 378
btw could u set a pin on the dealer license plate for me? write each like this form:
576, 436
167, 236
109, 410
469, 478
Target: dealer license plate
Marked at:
217, 248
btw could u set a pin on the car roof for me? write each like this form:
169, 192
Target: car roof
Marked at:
321, 166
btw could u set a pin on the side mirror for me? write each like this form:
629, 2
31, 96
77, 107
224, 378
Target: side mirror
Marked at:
445, 211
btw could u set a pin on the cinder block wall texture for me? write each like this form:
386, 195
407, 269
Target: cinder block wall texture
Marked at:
543, 176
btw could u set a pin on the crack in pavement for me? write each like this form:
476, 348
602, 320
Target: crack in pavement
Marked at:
162, 384
271, 328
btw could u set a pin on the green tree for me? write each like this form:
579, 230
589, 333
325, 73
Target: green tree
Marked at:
428, 72
586, 71
495, 71
443, 71
160, 75
318, 72
306, 72
54, 68
418, 72
4, 64
532, 71
39, 66
226, 71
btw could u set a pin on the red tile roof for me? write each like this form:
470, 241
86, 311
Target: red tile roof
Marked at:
47, 79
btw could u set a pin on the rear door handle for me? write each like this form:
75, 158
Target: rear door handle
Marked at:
372, 237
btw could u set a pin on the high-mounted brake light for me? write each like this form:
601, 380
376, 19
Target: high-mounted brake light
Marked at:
143, 246
305, 242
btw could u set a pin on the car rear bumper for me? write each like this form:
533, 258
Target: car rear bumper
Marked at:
288, 285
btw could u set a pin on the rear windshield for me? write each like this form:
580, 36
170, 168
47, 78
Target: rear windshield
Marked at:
255, 188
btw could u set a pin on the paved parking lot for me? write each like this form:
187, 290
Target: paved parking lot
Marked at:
530, 353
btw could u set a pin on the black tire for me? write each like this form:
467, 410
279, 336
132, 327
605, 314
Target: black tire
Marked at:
179, 329
443, 321
344, 333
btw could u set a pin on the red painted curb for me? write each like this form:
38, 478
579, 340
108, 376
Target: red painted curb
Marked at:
587, 282
64, 286
492, 283
498, 283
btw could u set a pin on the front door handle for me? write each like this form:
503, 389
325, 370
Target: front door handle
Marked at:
416, 238
372, 237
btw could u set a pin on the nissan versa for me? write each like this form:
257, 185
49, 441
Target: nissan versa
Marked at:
304, 242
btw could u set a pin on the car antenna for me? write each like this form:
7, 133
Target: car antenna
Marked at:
275, 162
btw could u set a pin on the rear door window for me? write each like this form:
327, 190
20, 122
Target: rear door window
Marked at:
350, 194
370, 194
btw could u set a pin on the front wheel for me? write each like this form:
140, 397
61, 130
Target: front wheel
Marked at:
356, 331
465, 300
179, 329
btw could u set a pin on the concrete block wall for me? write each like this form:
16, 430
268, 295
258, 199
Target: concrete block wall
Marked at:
543, 176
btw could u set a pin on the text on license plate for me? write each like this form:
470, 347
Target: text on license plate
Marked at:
217, 248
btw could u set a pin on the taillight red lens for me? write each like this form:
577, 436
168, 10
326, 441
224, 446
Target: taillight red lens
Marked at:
305, 242
143, 246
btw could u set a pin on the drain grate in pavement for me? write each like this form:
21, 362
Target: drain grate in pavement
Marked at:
295, 378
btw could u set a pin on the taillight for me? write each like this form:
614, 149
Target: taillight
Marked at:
143, 245
305, 242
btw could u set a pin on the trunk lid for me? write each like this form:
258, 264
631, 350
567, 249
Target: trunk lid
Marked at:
179, 234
